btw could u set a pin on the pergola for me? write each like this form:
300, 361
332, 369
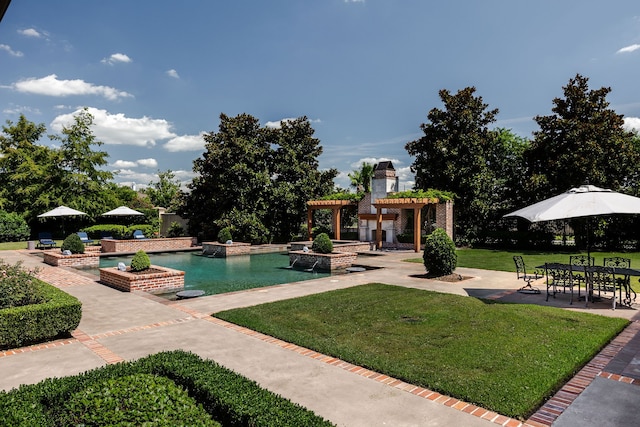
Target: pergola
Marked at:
335, 206
404, 203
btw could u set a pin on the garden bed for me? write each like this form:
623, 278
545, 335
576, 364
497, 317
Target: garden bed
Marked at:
154, 280
223, 250
89, 259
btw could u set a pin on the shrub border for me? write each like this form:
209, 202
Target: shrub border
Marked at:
231, 399
58, 316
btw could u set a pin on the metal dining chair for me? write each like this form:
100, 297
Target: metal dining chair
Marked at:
558, 276
603, 279
625, 280
579, 279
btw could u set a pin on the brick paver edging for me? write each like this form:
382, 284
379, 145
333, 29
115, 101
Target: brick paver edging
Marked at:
556, 405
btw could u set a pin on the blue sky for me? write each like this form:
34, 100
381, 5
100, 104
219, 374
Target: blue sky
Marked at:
157, 74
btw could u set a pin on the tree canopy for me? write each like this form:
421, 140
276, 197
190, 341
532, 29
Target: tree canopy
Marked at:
459, 153
255, 179
584, 141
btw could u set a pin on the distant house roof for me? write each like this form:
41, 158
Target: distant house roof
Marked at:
386, 165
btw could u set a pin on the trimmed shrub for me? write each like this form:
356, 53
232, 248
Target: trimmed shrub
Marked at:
73, 243
134, 399
224, 235
440, 258
322, 244
56, 316
229, 398
140, 261
13, 227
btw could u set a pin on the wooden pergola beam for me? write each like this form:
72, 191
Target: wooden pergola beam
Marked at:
336, 212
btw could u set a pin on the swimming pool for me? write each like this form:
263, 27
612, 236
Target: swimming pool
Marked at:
221, 275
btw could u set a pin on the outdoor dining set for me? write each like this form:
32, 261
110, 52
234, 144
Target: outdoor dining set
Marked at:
610, 280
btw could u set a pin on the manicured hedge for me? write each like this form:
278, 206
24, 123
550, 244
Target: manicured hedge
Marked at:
229, 398
57, 316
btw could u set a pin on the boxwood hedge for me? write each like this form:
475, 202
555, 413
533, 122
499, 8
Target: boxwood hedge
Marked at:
229, 398
57, 316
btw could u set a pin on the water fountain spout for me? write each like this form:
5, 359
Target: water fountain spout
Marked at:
293, 263
213, 255
312, 267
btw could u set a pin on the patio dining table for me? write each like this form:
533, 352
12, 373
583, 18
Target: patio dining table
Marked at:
625, 272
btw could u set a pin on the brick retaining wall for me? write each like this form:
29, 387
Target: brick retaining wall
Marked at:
224, 250
168, 280
325, 262
133, 245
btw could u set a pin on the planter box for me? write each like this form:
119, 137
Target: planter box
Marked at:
322, 262
159, 281
224, 250
90, 259
147, 245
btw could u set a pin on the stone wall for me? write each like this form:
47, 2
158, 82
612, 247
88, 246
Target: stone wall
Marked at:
135, 245
90, 259
224, 250
164, 281
444, 217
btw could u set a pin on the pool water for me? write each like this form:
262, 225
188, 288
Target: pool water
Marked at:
221, 275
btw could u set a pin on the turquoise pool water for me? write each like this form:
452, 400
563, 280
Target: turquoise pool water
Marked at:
221, 275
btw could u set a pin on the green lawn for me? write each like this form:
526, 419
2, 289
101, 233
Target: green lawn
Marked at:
502, 260
505, 357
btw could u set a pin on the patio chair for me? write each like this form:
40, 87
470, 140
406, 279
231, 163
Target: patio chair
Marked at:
582, 261
625, 280
603, 279
138, 235
559, 276
106, 235
84, 238
521, 273
45, 241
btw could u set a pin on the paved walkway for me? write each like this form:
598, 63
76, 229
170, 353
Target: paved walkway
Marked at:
119, 326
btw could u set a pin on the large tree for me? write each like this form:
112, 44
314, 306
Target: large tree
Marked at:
583, 141
25, 169
35, 178
459, 153
295, 177
361, 178
165, 192
255, 180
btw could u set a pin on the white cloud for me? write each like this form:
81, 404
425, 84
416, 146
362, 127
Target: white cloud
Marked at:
278, 124
354, 1
186, 143
629, 49
374, 161
51, 86
632, 123
148, 163
116, 129
173, 73
121, 164
10, 51
129, 177
20, 109
30, 32
115, 58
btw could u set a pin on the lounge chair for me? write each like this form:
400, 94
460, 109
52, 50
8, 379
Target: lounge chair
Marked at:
138, 235
46, 241
84, 238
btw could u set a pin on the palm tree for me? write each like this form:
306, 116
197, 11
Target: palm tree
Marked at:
361, 179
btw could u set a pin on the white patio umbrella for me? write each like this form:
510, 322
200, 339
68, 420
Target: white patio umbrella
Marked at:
123, 211
61, 211
584, 201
